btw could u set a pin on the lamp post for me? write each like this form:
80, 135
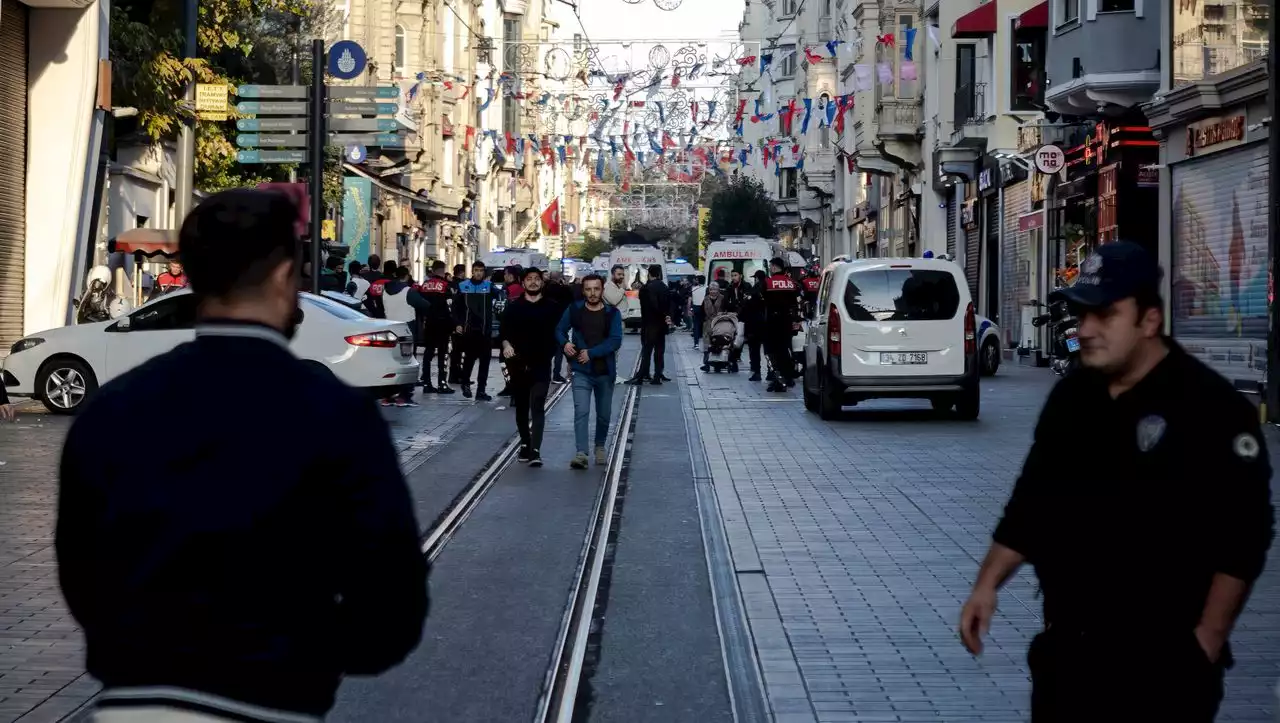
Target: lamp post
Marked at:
186, 161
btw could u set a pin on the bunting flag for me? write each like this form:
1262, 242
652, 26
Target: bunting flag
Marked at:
885, 73
909, 35
487, 100
812, 57
886, 39
808, 109
832, 45
551, 219
748, 60
765, 60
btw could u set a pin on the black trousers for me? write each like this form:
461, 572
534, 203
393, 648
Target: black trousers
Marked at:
1123, 678
529, 397
455, 359
777, 344
752, 343
437, 346
474, 347
653, 344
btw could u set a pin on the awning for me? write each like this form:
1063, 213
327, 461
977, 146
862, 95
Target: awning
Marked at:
146, 241
420, 202
1036, 17
977, 23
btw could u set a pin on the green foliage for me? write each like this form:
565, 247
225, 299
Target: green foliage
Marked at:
742, 206
590, 247
688, 247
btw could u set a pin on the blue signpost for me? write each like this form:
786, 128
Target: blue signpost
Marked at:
347, 60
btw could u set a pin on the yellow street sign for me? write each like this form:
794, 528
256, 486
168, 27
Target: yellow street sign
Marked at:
328, 229
211, 98
212, 116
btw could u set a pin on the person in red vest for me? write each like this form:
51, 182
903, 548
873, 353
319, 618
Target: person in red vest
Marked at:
810, 286
782, 318
172, 279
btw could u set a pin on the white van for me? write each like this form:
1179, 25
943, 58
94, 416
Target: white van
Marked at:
636, 260
744, 254
501, 258
892, 328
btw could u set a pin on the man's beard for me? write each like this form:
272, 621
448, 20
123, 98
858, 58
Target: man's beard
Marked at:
295, 320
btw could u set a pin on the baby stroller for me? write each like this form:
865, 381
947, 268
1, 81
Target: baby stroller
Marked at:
724, 343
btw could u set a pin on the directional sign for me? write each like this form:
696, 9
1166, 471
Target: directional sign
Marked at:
271, 124
253, 140
363, 124
347, 60
271, 156
367, 139
363, 92
355, 154
253, 107
363, 108
272, 91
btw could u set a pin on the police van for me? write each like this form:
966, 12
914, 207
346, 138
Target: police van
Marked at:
635, 260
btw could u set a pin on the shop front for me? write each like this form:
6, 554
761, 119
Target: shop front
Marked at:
1015, 254
987, 300
1219, 252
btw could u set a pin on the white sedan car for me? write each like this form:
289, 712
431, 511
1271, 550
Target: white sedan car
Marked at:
63, 367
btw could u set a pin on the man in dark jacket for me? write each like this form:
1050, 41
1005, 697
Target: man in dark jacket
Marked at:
529, 346
204, 589
655, 322
373, 297
437, 327
455, 341
782, 319
559, 293
752, 316
473, 314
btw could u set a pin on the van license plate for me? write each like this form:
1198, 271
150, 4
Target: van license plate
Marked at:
904, 358
406, 348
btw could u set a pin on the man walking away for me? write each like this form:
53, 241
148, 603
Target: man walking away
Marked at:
1146, 555
473, 315
696, 297
377, 280
615, 289
753, 318
455, 341
590, 334
203, 592
437, 326
404, 303
782, 318
655, 322
529, 346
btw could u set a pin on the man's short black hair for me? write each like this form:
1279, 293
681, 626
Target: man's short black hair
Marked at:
592, 277
779, 262
437, 266
459, 269
235, 239
516, 271
375, 262
526, 273
333, 262
655, 271
478, 264
354, 267
389, 268
700, 279
402, 272
617, 267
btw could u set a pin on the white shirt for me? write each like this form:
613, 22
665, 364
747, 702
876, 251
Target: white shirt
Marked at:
699, 294
614, 294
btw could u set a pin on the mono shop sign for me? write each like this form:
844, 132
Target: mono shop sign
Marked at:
1050, 159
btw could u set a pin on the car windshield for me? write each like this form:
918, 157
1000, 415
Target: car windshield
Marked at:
333, 307
901, 295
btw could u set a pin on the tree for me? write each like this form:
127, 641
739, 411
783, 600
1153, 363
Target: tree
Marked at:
688, 247
743, 206
588, 248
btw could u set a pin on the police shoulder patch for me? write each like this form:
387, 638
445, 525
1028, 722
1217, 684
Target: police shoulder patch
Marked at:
1246, 446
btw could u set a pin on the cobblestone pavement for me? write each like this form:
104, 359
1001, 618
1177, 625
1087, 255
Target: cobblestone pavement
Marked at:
42, 675
855, 543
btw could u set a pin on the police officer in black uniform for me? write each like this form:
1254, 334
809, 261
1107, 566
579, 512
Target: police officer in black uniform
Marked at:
1146, 545
782, 315
437, 328
204, 590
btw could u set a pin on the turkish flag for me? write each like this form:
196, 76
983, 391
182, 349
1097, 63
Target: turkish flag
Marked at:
551, 219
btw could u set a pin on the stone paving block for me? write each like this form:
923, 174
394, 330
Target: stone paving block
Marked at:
869, 531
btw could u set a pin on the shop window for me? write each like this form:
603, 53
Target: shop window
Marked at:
1068, 11
1209, 39
400, 50
1027, 69
1115, 6
787, 183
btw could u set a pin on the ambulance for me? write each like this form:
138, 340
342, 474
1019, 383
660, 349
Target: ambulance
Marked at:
744, 254
635, 260
501, 257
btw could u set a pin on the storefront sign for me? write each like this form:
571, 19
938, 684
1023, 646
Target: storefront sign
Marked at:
1216, 133
1029, 138
967, 217
1050, 159
1039, 188
985, 180
1030, 221
1148, 177
357, 219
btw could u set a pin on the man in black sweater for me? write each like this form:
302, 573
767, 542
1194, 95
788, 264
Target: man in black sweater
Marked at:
259, 565
529, 347
655, 322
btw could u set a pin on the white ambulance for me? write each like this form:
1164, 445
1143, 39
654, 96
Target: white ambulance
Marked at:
636, 260
744, 254
501, 257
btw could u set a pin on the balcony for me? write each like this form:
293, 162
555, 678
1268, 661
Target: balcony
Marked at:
820, 170
899, 120
970, 119
1109, 62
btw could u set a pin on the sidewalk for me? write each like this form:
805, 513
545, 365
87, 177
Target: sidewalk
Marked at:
855, 543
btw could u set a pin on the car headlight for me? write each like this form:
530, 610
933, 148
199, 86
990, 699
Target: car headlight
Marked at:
25, 344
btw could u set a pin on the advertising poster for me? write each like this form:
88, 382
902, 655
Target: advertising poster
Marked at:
357, 202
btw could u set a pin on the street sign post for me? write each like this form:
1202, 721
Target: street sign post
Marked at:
349, 56
347, 60
355, 154
363, 92
367, 139
363, 108
272, 91
271, 156
211, 101
385, 125
254, 107
257, 125
257, 140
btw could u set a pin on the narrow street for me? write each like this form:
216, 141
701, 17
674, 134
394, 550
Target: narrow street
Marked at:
765, 563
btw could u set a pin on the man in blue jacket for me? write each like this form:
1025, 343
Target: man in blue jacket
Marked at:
590, 333
473, 314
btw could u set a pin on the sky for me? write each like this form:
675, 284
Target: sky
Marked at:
618, 20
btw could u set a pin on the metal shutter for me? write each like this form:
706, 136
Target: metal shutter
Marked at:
1014, 267
951, 225
13, 169
1220, 254
972, 259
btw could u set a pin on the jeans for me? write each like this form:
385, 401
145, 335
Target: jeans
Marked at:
698, 319
529, 397
584, 385
476, 347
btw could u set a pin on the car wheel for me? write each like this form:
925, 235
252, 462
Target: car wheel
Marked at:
64, 385
990, 357
969, 403
830, 402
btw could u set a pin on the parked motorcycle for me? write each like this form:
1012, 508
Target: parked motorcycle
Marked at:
1064, 330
